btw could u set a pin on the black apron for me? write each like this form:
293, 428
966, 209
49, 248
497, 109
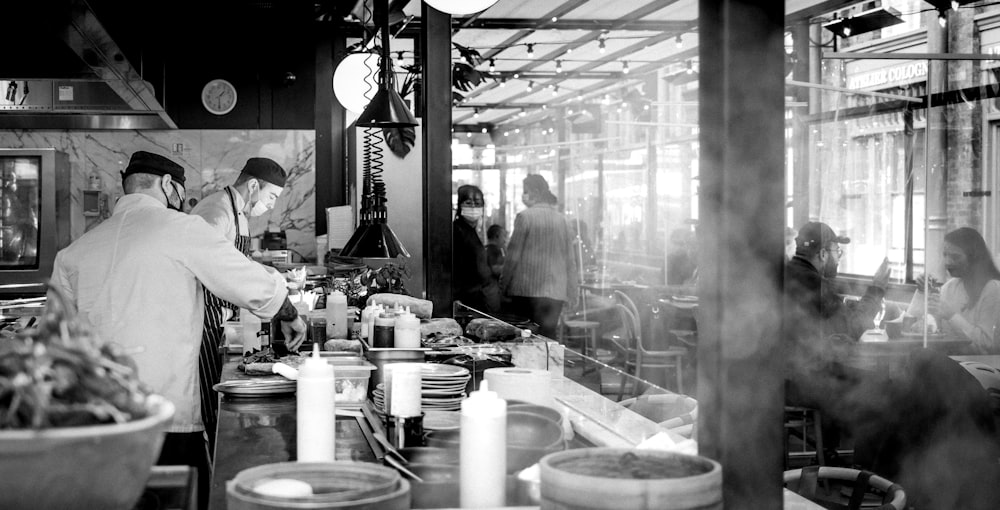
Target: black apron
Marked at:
213, 338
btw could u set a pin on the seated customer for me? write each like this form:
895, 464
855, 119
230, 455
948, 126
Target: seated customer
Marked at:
968, 304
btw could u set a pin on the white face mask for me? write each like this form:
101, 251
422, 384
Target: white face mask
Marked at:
259, 207
472, 214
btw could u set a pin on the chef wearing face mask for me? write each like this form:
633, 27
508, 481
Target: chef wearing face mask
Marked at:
254, 193
472, 280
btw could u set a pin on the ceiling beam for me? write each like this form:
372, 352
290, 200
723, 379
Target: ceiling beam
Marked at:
544, 75
583, 24
624, 52
639, 71
635, 15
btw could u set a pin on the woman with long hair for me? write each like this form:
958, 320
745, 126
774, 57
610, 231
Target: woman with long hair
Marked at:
472, 279
969, 302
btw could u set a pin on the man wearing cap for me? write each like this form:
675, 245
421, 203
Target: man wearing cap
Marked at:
255, 191
820, 328
136, 279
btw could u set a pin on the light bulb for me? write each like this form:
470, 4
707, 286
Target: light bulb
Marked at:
954, 5
484, 131
679, 41
475, 113
399, 57
600, 46
625, 67
943, 21
569, 50
517, 130
506, 133
558, 66
690, 67
517, 75
847, 30
531, 50
493, 66
531, 85
554, 19
555, 90
503, 82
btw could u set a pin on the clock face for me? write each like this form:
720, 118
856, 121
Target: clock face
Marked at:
219, 97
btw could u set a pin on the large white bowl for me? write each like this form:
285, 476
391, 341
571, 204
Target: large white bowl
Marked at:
96, 466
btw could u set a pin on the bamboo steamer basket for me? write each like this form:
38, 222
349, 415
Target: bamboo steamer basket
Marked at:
598, 479
336, 485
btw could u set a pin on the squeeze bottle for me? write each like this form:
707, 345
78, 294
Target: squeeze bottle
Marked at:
251, 331
315, 413
336, 315
406, 332
483, 450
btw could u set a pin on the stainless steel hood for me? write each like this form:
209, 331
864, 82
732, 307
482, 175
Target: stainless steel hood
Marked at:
112, 96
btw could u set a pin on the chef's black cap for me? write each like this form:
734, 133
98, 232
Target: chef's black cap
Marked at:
143, 162
265, 169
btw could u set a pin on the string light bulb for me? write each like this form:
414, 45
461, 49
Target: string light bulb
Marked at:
554, 19
484, 131
558, 66
517, 75
679, 41
503, 82
942, 20
625, 67
601, 47
493, 65
475, 113
847, 30
399, 57
531, 85
569, 50
531, 50
555, 90
954, 5
690, 67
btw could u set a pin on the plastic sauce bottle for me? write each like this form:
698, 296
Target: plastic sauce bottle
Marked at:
336, 315
315, 413
251, 331
483, 450
406, 332
383, 334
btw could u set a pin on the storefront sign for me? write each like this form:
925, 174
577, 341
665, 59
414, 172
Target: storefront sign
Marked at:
895, 75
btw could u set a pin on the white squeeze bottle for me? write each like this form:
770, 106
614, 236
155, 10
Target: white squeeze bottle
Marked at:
315, 413
406, 332
483, 450
251, 331
336, 315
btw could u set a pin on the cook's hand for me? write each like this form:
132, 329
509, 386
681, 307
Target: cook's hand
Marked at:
939, 308
881, 278
294, 332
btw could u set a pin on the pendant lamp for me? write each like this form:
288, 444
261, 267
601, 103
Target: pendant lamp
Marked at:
374, 238
355, 80
386, 109
461, 7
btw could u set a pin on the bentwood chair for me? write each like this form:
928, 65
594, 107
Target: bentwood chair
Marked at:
845, 489
646, 357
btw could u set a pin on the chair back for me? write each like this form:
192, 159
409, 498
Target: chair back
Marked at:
630, 328
622, 299
805, 483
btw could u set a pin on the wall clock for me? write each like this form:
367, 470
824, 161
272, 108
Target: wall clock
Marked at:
219, 97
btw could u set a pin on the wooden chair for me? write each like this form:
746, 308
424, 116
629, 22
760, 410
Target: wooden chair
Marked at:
845, 489
646, 358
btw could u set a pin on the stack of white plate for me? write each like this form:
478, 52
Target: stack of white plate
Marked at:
442, 388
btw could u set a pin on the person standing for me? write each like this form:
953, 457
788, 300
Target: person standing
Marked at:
255, 192
496, 247
472, 281
136, 280
540, 272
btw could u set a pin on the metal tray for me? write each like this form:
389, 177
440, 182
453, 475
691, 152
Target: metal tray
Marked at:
255, 387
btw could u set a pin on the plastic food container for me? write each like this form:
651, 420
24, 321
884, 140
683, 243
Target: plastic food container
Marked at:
352, 375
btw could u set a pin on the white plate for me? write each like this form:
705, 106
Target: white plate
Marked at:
440, 371
442, 420
255, 387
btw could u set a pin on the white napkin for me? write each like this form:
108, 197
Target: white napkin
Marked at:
663, 441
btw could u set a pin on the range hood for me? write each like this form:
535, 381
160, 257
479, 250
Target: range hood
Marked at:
111, 94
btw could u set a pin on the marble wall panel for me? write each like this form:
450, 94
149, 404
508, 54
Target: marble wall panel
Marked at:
212, 160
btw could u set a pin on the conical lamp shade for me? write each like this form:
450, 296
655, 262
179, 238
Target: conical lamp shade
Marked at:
377, 241
386, 110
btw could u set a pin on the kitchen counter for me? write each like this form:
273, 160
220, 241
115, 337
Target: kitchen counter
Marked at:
257, 431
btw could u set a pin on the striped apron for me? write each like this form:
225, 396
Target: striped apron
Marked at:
212, 340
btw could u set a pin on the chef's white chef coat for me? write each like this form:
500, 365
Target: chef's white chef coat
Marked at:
218, 212
137, 279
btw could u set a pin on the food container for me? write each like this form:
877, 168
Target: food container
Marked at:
335, 485
352, 375
629, 479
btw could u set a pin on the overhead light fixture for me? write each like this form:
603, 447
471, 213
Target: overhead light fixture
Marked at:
863, 22
386, 109
461, 7
355, 82
944, 5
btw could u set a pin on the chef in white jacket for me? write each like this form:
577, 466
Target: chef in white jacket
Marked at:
137, 280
